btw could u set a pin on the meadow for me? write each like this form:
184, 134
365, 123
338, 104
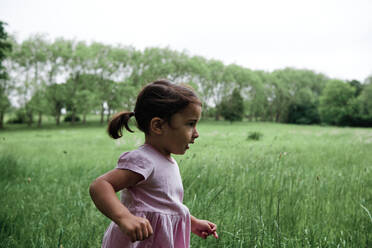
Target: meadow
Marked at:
297, 186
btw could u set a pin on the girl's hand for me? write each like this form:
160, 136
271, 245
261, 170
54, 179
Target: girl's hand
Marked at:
203, 228
136, 228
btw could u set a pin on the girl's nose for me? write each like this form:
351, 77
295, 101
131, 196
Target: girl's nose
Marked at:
195, 134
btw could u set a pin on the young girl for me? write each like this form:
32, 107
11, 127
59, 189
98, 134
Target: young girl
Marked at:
151, 213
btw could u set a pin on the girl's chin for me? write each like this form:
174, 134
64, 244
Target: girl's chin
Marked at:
181, 151
184, 150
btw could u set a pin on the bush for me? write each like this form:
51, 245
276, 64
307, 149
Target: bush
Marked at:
254, 135
68, 118
20, 117
232, 107
303, 114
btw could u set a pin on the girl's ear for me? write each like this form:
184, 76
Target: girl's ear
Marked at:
156, 125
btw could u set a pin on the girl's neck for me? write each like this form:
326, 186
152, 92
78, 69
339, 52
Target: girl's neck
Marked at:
157, 147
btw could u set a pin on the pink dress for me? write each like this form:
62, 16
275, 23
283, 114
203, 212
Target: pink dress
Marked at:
158, 198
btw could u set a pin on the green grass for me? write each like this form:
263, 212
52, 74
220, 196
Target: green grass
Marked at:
298, 186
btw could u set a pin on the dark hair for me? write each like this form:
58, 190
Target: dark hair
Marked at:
158, 99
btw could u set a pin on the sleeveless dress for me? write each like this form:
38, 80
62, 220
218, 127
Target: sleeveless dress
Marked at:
157, 198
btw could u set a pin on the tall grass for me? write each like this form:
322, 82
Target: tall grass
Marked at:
298, 186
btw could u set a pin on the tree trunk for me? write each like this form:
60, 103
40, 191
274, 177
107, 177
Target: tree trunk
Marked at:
277, 116
29, 119
39, 119
217, 114
73, 117
108, 114
57, 119
102, 113
269, 115
1, 119
84, 118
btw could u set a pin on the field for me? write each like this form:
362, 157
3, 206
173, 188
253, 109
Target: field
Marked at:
297, 186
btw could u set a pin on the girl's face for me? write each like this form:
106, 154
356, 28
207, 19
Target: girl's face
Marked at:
182, 130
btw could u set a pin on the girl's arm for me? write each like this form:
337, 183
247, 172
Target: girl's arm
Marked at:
103, 190
203, 228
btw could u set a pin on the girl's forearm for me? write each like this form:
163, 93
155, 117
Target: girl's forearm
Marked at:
193, 220
105, 199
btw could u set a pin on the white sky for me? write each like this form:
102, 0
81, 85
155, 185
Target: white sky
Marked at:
329, 36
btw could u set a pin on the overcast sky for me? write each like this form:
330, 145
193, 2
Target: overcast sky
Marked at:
328, 36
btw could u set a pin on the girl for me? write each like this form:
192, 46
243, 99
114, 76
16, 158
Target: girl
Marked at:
151, 213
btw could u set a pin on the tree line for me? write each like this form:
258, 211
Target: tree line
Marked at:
46, 76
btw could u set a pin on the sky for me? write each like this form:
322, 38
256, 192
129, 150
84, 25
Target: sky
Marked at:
333, 37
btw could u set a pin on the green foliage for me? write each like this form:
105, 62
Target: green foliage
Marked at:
5, 47
342, 105
55, 94
294, 95
366, 100
304, 109
232, 107
69, 117
336, 103
209, 112
254, 135
362, 108
20, 117
303, 114
47, 76
82, 94
358, 87
4, 101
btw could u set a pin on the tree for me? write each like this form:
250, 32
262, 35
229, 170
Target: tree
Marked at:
86, 97
336, 103
304, 109
38, 105
232, 107
287, 85
72, 100
56, 98
119, 97
364, 105
78, 63
106, 78
366, 98
4, 103
357, 86
105, 63
5, 47
30, 56
241, 78
197, 69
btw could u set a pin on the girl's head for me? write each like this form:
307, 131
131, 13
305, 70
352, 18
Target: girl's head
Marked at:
160, 99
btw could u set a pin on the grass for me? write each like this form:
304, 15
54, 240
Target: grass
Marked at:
297, 186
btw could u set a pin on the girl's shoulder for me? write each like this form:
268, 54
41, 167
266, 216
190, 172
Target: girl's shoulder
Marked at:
137, 160
136, 155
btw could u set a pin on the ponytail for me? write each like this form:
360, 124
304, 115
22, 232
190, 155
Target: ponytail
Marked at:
117, 122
